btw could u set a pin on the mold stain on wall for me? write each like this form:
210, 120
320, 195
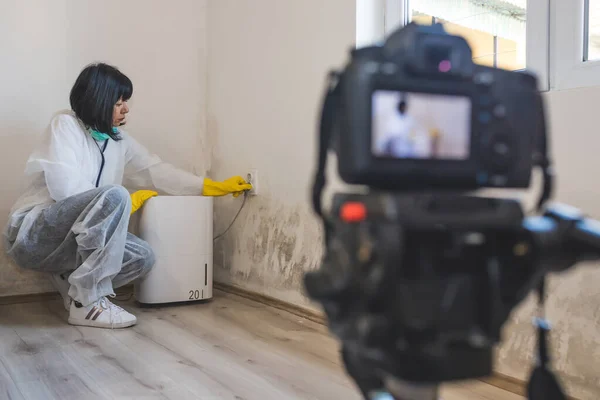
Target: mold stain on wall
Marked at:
573, 309
269, 248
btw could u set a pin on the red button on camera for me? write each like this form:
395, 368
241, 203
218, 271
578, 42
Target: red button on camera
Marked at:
353, 212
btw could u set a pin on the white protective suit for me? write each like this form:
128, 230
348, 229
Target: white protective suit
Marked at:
401, 136
62, 196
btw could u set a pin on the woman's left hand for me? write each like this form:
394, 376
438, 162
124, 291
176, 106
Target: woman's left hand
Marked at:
139, 198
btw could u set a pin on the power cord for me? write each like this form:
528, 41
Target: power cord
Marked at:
234, 218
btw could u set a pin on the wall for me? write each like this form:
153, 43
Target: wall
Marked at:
268, 61
44, 44
574, 297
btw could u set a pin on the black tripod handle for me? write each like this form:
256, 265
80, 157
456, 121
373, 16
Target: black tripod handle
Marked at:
587, 234
564, 237
582, 234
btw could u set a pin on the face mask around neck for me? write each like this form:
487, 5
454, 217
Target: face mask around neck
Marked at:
99, 136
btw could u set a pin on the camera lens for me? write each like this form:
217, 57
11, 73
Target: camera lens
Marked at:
438, 57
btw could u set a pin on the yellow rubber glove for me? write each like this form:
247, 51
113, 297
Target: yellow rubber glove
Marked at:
235, 185
139, 198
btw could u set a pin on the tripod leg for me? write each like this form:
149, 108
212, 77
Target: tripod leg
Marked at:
366, 381
408, 391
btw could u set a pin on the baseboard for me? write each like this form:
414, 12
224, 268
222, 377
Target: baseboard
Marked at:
29, 298
507, 383
49, 296
510, 384
303, 312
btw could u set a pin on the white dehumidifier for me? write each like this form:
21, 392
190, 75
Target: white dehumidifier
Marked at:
180, 231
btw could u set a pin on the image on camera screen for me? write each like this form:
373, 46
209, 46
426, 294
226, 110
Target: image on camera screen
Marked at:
420, 125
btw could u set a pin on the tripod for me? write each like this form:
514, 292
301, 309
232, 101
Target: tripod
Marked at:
400, 390
418, 287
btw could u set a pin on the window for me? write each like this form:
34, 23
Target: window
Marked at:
591, 50
495, 30
510, 34
575, 44
559, 40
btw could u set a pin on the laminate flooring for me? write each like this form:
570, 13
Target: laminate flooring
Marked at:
229, 348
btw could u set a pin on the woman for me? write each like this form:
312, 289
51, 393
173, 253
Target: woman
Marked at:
72, 221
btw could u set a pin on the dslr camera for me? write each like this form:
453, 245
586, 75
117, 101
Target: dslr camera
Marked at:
420, 273
417, 113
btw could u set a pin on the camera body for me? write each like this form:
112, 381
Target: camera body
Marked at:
416, 113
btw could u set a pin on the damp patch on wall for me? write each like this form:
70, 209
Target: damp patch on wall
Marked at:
573, 308
270, 246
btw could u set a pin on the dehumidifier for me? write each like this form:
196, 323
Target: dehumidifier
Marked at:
180, 231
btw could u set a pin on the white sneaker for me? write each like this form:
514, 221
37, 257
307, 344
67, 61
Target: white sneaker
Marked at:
101, 314
62, 285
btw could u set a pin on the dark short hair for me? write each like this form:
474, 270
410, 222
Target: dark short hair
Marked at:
94, 94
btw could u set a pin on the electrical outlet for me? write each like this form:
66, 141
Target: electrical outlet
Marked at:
252, 178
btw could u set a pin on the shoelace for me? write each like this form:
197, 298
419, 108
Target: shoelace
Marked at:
114, 296
112, 308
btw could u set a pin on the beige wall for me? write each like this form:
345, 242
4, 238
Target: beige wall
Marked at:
574, 302
267, 65
44, 44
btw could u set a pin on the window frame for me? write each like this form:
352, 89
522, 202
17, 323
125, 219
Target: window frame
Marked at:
568, 39
396, 13
537, 42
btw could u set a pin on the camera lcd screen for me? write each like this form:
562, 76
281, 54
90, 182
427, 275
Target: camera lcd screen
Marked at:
420, 125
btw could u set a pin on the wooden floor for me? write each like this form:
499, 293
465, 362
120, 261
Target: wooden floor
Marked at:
231, 348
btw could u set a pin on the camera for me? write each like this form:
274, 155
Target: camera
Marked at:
417, 113
419, 274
